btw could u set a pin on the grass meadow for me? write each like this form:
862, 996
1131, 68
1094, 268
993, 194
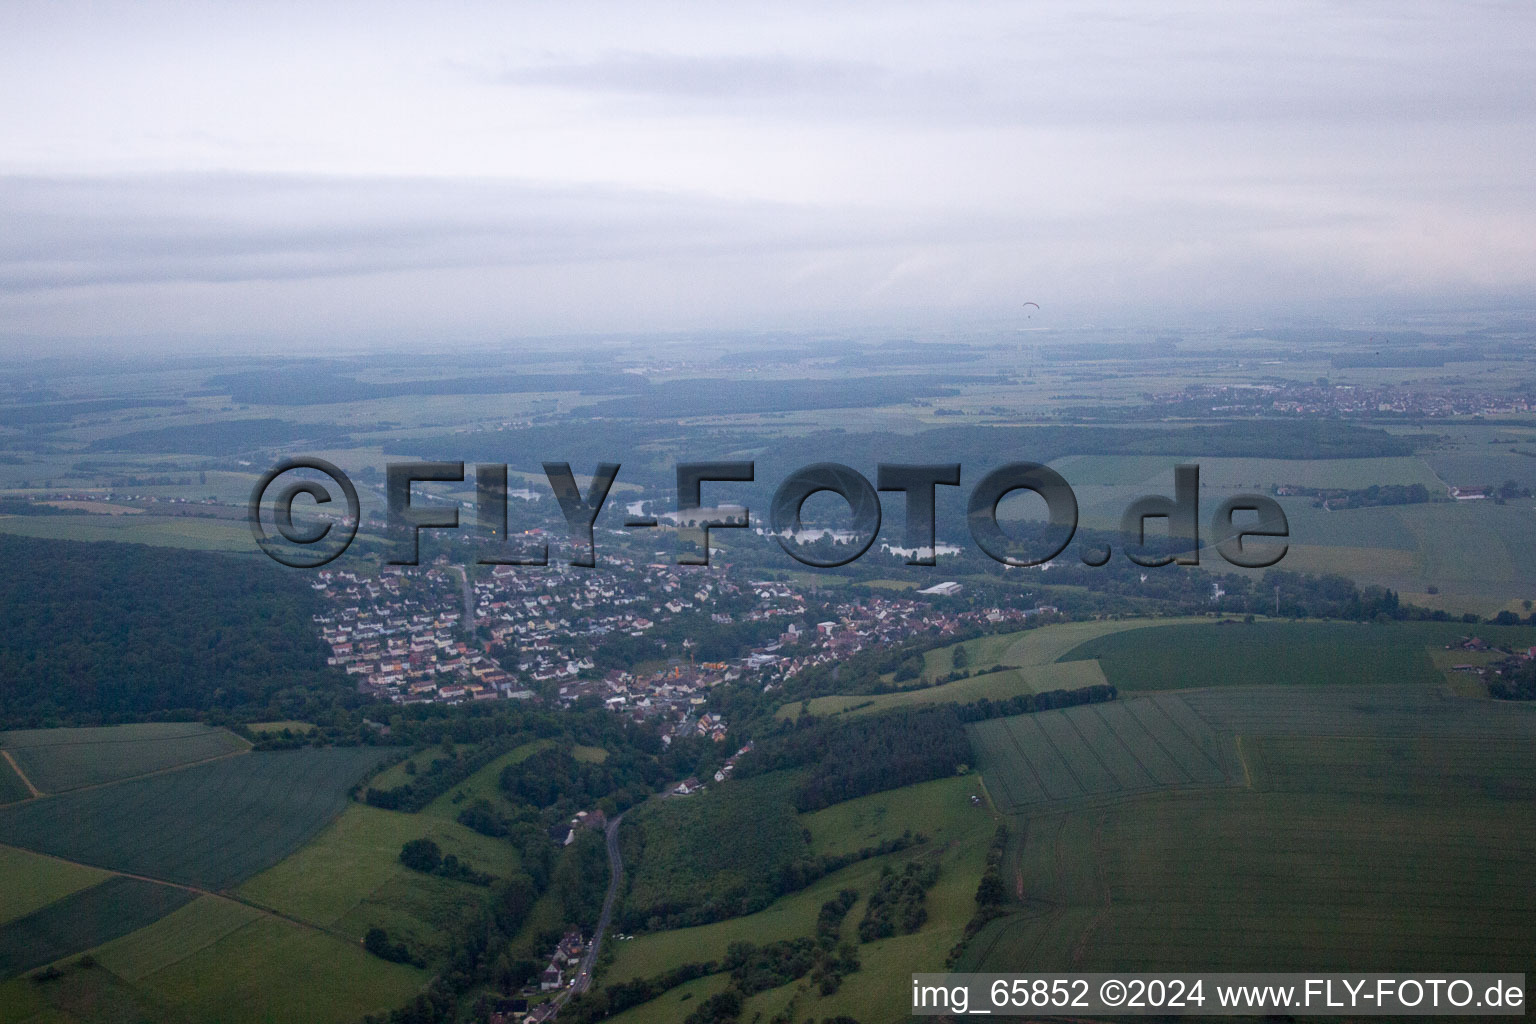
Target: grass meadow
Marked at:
1009, 682
484, 784
33, 881
1030, 657
85, 918
276, 970
958, 832
82, 995
349, 877
174, 937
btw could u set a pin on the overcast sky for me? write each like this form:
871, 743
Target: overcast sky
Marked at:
463, 171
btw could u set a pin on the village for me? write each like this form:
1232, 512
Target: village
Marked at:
1431, 399
561, 635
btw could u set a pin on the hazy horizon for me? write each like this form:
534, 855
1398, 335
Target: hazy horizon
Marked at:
264, 177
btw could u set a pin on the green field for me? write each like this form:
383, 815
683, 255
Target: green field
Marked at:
397, 774
158, 531
12, 788
1477, 554
980, 654
485, 784
1379, 528
1464, 684
1469, 468
789, 917
1475, 546
84, 919
59, 760
1034, 654
1010, 682
1099, 750
33, 881
83, 995
674, 1005
275, 970
941, 809
1363, 827
211, 825
349, 877
174, 937
1287, 881
1106, 484
1230, 474
1300, 653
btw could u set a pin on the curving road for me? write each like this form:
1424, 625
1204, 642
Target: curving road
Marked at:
583, 980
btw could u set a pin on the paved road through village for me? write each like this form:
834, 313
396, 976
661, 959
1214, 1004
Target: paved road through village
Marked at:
583, 979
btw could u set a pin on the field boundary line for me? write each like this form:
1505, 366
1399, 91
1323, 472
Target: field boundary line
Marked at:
190, 953
157, 771
22, 775
1093, 752
1247, 777
1095, 853
1056, 748
1130, 707
1013, 741
981, 778
170, 738
1100, 801
1099, 712
1187, 735
229, 896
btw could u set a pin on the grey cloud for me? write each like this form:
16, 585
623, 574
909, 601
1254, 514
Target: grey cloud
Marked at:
703, 77
71, 232
1313, 64
64, 232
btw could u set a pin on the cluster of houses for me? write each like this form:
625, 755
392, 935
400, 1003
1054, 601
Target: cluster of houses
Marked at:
870, 623
678, 693
692, 785
564, 965
566, 957
423, 634
517, 1011
400, 635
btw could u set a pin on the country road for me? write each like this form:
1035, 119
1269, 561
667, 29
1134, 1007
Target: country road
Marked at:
583, 979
